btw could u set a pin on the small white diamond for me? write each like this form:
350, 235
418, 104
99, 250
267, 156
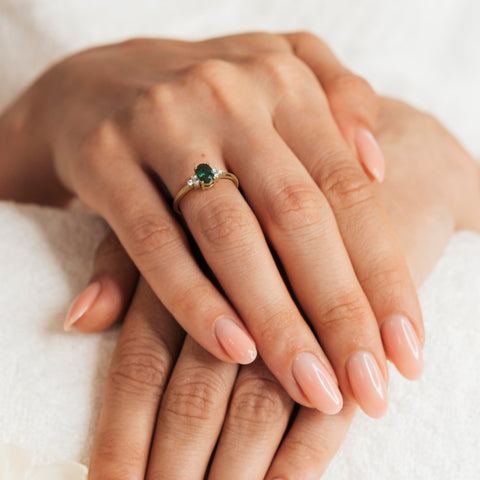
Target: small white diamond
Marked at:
190, 182
196, 182
214, 170
220, 172
216, 175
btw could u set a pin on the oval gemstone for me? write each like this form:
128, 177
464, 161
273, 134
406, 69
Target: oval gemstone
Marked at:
204, 172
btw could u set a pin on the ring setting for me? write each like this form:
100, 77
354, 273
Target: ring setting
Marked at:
204, 178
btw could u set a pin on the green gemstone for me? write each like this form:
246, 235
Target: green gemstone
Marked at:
204, 173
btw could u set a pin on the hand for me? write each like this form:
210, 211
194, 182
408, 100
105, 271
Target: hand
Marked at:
120, 119
194, 403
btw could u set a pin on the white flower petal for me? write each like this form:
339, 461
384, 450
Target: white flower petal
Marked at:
59, 471
15, 462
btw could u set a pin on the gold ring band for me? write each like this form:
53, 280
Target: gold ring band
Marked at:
205, 177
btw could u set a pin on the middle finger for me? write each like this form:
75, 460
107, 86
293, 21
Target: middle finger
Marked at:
256, 421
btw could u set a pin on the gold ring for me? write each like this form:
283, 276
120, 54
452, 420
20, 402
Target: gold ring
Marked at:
205, 177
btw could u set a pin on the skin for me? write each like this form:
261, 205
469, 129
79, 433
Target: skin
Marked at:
172, 410
122, 127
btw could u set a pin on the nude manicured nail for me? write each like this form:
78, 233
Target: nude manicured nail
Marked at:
81, 305
236, 343
367, 383
317, 384
403, 346
370, 154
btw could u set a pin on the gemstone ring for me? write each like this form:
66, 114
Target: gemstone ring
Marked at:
205, 177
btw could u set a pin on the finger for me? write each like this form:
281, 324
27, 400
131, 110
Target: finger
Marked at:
104, 300
256, 421
146, 350
155, 241
374, 250
310, 444
302, 229
191, 415
353, 102
233, 245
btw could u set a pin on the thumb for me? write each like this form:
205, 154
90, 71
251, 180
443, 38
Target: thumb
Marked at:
109, 291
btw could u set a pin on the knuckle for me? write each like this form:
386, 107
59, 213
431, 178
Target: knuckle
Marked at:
295, 206
346, 185
348, 310
155, 98
225, 225
211, 70
285, 71
276, 325
306, 35
188, 297
140, 369
258, 402
305, 452
217, 80
150, 234
352, 84
193, 396
390, 276
159, 105
108, 461
100, 141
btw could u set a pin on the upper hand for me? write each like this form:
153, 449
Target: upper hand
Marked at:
128, 122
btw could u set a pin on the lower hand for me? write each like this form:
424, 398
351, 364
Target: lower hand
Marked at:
432, 189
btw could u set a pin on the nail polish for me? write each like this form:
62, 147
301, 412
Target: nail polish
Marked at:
368, 384
81, 305
317, 384
237, 344
370, 154
402, 346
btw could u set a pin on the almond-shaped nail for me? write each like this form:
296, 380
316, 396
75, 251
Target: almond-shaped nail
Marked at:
317, 384
81, 305
237, 344
367, 383
370, 154
402, 346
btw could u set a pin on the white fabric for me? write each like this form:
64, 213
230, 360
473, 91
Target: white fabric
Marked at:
51, 383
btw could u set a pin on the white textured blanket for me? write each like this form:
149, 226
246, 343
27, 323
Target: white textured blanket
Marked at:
51, 382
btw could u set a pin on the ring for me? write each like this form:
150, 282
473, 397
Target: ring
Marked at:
205, 177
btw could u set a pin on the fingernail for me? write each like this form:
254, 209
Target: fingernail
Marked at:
370, 154
81, 305
236, 343
403, 346
367, 383
317, 385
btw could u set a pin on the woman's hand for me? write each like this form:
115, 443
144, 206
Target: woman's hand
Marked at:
196, 405
126, 122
